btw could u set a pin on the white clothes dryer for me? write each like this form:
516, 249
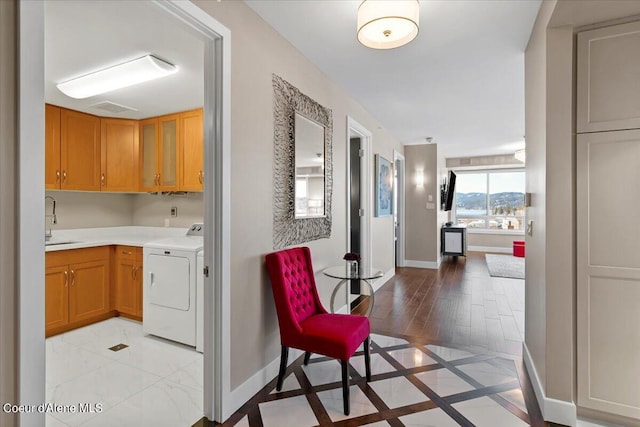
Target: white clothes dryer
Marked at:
169, 286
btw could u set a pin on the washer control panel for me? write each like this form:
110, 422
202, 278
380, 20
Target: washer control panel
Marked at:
196, 230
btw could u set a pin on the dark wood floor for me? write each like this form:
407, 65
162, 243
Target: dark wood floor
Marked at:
457, 304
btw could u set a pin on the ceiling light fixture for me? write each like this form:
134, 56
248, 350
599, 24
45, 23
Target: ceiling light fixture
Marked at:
520, 155
117, 77
385, 24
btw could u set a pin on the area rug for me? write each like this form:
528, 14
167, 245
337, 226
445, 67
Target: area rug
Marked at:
505, 266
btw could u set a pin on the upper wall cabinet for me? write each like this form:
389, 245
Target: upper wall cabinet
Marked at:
52, 172
159, 153
608, 95
119, 159
191, 149
79, 150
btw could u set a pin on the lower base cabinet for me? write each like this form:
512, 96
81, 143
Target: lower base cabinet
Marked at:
76, 288
128, 281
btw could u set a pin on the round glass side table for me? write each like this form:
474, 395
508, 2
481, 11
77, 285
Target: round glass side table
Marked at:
346, 274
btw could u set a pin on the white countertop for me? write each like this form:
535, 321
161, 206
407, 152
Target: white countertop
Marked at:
104, 236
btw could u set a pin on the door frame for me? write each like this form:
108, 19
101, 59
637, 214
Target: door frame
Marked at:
217, 141
399, 193
366, 200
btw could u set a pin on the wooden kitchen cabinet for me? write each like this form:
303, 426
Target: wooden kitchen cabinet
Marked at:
52, 171
56, 297
119, 155
191, 151
159, 150
76, 288
129, 281
79, 151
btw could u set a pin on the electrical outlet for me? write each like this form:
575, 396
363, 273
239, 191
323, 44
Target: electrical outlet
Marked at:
174, 212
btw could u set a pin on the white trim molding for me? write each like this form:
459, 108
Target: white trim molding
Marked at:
553, 410
496, 249
378, 283
433, 265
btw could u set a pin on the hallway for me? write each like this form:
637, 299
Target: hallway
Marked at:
446, 351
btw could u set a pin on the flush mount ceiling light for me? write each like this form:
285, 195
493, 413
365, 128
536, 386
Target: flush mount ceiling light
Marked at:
116, 77
385, 24
520, 155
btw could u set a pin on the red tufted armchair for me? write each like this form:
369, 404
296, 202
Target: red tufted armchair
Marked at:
304, 322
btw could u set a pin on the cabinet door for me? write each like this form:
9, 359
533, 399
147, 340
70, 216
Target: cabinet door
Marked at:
80, 150
119, 145
191, 149
608, 95
126, 291
149, 155
56, 311
608, 272
52, 172
88, 289
169, 128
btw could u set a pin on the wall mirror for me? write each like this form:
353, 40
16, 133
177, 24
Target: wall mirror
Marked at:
302, 167
309, 167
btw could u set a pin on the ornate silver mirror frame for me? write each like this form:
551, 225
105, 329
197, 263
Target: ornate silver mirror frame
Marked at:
287, 229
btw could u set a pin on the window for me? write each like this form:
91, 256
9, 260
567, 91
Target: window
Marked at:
491, 200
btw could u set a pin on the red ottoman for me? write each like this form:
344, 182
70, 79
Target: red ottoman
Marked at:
518, 248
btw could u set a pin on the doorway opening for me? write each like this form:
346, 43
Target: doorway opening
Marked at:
398, 208
214, 200
359, 200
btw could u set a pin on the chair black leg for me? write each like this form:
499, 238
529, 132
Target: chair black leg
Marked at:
345, 385
367, 359
283, 367
307, 356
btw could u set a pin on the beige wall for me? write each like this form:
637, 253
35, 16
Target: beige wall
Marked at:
422, 238
535, 128
8, 209
78, 209
154, 209
257, 51
550, 269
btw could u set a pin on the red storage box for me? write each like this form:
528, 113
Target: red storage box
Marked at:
518, 248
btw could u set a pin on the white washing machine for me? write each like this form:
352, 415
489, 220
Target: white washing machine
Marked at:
169, 286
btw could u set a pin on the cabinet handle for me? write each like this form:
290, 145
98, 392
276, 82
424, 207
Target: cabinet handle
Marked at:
64, 176
158, 179
66, 278
126, 252
200, 177
57, 175
73, 277
134, 272
103, 179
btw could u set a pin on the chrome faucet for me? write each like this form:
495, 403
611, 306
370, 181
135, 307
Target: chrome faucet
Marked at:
54, 219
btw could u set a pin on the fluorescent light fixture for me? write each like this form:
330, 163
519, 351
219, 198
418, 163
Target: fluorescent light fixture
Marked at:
117, 77
385, 24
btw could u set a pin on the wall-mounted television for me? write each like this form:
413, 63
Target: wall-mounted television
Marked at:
450, 191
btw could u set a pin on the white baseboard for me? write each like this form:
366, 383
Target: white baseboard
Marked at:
250, 387
377, 284
422, 264
497, 249
553, 410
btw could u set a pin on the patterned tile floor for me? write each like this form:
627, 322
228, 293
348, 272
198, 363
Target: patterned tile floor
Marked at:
412, 385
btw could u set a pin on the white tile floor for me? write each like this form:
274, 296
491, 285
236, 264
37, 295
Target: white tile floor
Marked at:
395, 391
152, 382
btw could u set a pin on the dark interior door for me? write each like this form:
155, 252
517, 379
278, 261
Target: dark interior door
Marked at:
354, 202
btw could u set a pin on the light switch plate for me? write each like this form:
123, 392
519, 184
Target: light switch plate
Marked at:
174, 212
431, 205
530, 227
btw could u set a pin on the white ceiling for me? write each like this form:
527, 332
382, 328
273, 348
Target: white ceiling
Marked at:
86, 36
461, 81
